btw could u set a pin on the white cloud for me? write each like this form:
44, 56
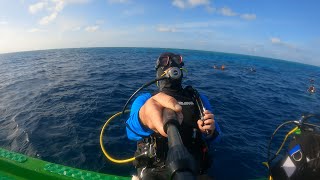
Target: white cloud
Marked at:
182, 4
77, 1
100, 21
3, 22
76, 29
279, 42
179, 3
69, 24
118, 1
47, 19
193, 25
33, 30
275, 40
205, 26
91, 28
60, 4
166, 29
198, 2
210, 9
227, 12
34, 8
54, 7
134, 11
248, 16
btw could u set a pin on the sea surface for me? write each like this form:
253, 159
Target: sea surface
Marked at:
53, 104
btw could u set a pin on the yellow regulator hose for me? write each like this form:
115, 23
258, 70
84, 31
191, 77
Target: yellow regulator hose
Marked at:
284, 140
101, 142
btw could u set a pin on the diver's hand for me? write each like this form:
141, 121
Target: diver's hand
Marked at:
150, 113
207, 124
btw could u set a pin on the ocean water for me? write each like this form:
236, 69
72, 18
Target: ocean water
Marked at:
53, 103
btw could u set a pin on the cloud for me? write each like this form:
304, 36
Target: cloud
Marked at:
194, 3
166, 29
92, 28
179, 3
248, 16
134, 11
182, 4
34, 8
3, 22
205, 26
190, 25
54, 7
100, 21
227, 12
210, 9
76, 1
118, 1
47, 19
60, 4
33, 30
69, 24
76, 29
277, 41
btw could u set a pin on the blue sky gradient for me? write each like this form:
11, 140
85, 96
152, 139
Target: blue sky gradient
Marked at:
286, 29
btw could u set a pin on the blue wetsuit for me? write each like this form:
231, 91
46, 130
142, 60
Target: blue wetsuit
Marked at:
140, 131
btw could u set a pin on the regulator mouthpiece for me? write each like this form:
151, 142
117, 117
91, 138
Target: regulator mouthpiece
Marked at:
174, 73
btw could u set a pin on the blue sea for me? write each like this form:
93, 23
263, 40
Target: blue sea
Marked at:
53, 104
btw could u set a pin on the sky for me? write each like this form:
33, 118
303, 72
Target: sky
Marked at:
282, 29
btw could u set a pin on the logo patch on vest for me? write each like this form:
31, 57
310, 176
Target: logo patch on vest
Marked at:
186, 103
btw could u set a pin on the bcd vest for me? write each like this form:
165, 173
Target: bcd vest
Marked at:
302, 160
189, 132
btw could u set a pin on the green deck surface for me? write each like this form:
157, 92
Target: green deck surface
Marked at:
14, 166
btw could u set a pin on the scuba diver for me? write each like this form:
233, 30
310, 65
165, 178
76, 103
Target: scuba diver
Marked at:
252, 69
222, 67
312, 89
145, 125
302, 160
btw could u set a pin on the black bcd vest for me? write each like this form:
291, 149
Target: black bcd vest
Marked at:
189, 132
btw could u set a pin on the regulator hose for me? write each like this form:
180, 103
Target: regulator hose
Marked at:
118, 161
